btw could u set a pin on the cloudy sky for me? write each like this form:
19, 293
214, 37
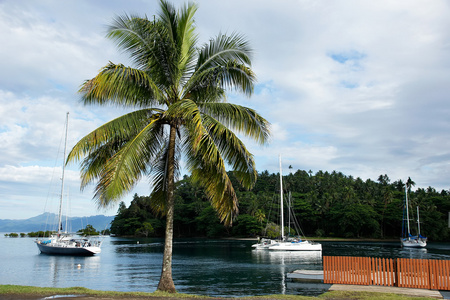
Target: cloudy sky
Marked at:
360, 87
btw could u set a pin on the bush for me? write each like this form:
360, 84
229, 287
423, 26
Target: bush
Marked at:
320, 232
39, 233
273, 230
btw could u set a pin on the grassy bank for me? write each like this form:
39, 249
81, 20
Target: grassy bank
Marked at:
29, 292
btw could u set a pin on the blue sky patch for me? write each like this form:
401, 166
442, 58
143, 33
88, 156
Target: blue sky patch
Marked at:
343, 57
349, 84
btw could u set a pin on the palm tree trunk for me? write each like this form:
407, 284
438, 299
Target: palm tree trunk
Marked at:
166, 282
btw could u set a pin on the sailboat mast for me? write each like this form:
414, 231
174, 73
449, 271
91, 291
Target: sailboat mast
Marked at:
289, 214
281, 200
407, 210
62, 177
418, 223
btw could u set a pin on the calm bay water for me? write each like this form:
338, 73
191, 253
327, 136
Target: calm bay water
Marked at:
226, 268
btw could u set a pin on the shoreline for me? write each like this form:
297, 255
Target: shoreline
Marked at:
325, 239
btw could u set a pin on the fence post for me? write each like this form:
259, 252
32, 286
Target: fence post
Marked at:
430, 274
392, 272
446, 274
396, 271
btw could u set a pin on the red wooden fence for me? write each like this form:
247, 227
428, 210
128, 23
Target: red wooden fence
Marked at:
401, 272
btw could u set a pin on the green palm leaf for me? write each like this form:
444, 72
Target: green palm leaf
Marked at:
120, 85
242, 119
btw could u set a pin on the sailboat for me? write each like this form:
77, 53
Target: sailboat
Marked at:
408, 240
61, 242
286, 244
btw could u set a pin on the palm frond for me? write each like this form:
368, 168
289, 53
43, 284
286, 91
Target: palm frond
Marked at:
233, 151
116, 130
223, 49
136, 36
224, 63
218, 189
205, 163
148, 44
159, 174
242, 119
120, 85
181, 41
123, 170
187, 39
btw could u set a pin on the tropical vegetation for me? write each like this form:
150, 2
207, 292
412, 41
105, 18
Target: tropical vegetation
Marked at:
325, 204
176, 92
88, 230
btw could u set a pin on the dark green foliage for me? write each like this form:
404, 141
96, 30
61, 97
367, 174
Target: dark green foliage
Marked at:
133, 220
88, 230
325, 204
40, 233
246, 225
13, 235
208, 223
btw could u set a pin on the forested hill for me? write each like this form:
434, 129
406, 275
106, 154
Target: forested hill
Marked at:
49, 221
325, 204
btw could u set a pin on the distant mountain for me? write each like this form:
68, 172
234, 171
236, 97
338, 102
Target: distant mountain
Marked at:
49, 221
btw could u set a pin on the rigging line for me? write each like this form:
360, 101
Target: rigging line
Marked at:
52, 181
297, 225
268, 217
295, 221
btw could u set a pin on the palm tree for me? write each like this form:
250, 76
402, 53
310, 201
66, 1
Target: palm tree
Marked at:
177, 93
409, 184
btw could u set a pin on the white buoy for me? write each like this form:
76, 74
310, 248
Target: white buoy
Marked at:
79, 266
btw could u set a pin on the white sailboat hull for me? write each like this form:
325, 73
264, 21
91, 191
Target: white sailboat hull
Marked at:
414, 243
265, 244
296, 246
68, 250
288, 246
67, 245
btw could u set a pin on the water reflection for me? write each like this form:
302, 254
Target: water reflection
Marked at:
55, 269
283, 262
414, 253
137, 263
288, 257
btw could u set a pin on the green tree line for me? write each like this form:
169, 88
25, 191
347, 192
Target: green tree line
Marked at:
325, 204
88, 230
